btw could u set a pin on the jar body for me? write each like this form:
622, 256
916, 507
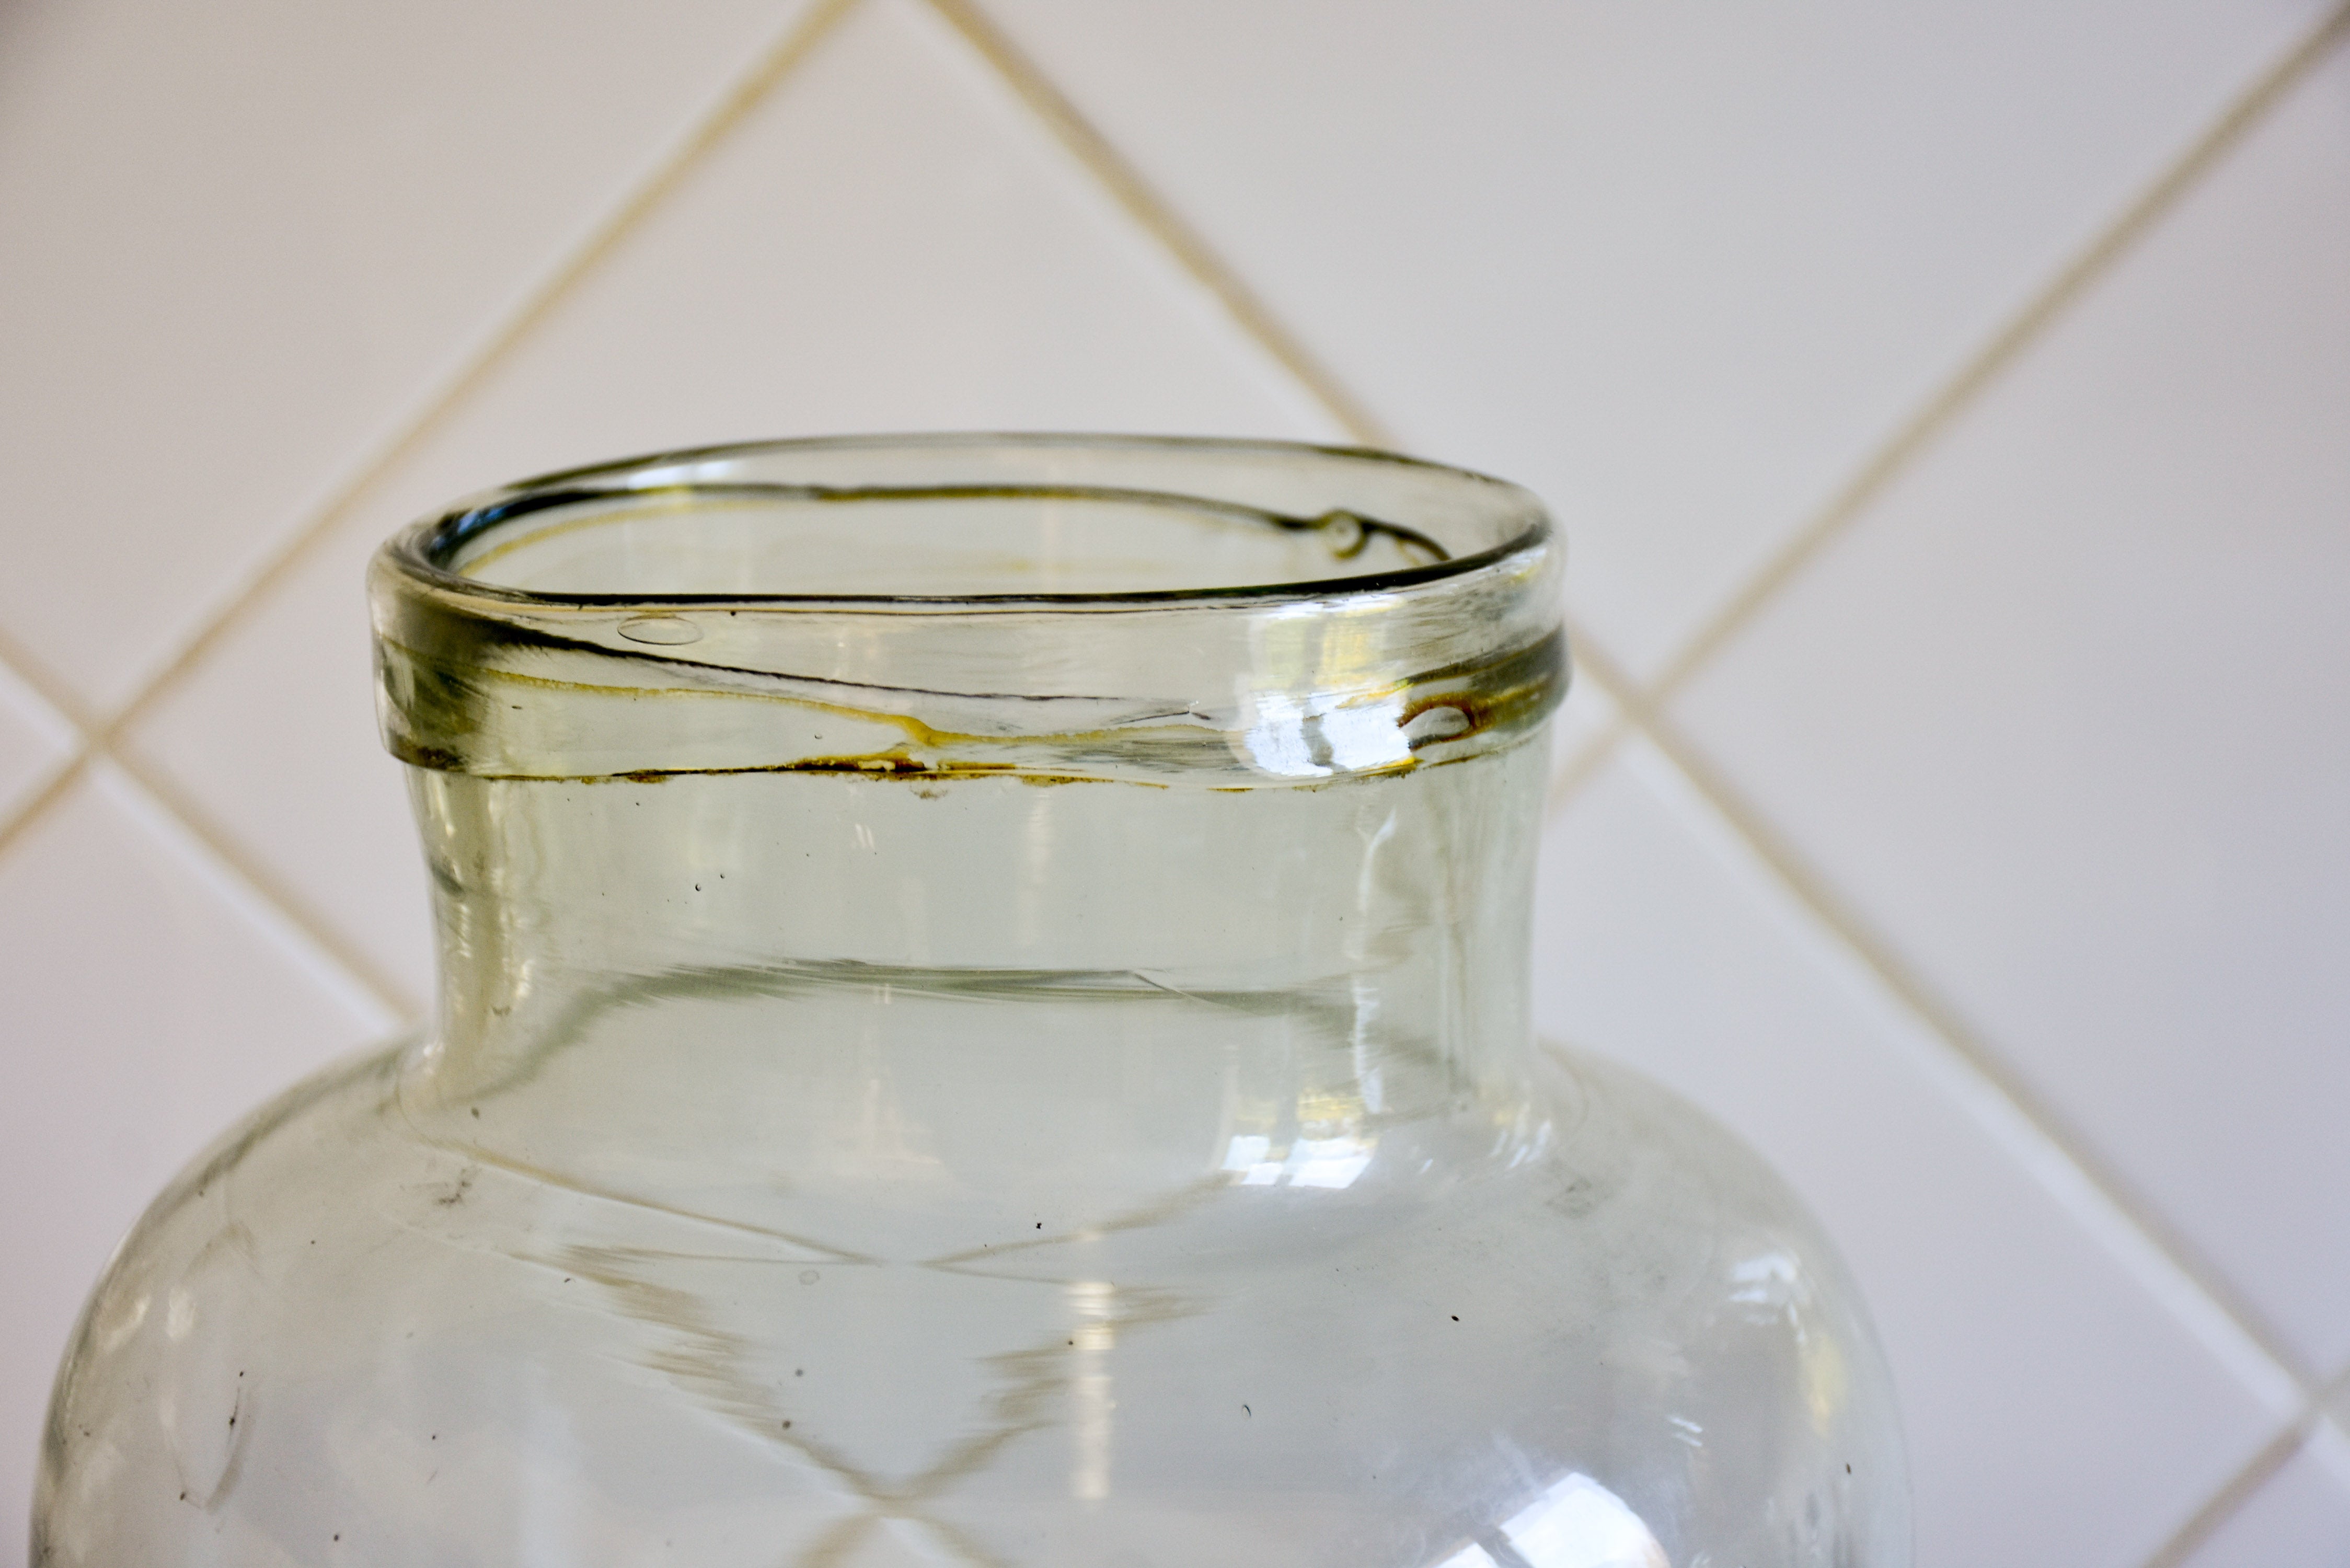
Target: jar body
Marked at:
430, 1386
977, 1077
1126, 1264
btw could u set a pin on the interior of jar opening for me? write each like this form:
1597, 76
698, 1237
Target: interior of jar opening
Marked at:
738, 536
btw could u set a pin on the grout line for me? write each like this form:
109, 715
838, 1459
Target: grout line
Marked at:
1192, 252
43, 683
1147, 207
2004, 347
2239, 1489
57, 774
2233, 1494
1589, 661
1640, 710
245, 899
1584, 765
775, 63
1639, 705
381, 987
1644, 713
100, 739
354, 968
1813, 891
54, 788
1592, 663
2329, 1437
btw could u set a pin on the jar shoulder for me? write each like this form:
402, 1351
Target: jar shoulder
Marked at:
1615, 1290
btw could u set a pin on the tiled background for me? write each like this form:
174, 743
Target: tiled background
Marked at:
1948, 406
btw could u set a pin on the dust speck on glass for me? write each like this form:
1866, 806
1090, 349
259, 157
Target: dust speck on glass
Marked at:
982, 1019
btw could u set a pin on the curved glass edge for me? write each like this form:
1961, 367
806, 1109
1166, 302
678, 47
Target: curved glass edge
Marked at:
1290, 682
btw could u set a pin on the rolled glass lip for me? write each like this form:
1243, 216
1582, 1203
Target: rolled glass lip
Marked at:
421, 549
1307, 677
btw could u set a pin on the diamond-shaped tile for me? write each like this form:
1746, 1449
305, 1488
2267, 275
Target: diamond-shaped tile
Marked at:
1678, 267
2064, 718
150, 1003
958, 270
2058, 1411
241, 243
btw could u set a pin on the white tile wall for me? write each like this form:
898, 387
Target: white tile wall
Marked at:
150, 1000
959, 271
36, 741
1988, 872
2066, 778
243, 240
1678, 268
2018, 1324
2300, 1516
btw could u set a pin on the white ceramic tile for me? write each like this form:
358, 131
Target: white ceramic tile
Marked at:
2069, 717
150, 1003
2058, 1413
35, 740
1676, 265
889, 243
273, 738
1582, 721
241, 240
2299, 1519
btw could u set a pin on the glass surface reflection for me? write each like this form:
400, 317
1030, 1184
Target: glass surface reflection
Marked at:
1575, 1523
1093, 1306
1326, 1162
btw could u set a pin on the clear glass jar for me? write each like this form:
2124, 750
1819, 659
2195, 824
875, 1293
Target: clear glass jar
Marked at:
982, 1019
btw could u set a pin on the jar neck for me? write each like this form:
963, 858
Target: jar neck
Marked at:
1363, 942
975, 816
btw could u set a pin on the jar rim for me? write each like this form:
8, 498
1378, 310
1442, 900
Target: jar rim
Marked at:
425, 550
621, 619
